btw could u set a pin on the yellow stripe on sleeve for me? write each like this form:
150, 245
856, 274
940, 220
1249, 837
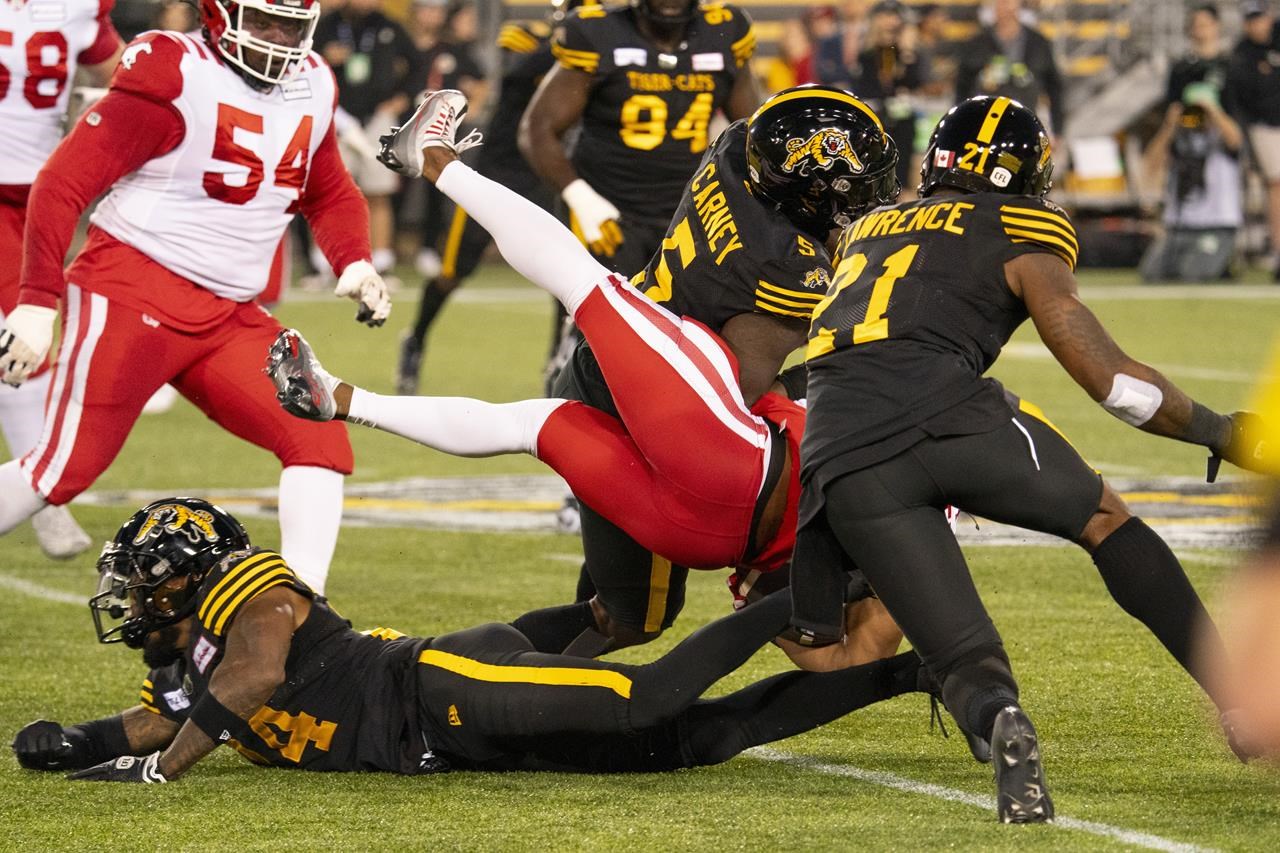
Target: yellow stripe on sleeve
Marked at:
1048, 240
1055, 218
792, 294
233, 577
278, 577
579, 60
745, 47
1041, 225
772, 309
769, 298
1059, 252
514, 38
550, 675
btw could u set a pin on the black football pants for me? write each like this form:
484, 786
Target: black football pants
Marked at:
888, 519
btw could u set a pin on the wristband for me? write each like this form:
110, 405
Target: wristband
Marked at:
218, 721
103, 740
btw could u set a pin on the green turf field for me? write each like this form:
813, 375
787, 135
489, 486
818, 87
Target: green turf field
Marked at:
1133, 761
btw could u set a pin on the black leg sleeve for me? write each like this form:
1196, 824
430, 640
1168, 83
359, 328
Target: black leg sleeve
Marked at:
552, 629
670, 684
788, 704
1145, 578
433, 299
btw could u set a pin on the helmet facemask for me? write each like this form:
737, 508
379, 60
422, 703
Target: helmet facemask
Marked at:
263, 61
138, 593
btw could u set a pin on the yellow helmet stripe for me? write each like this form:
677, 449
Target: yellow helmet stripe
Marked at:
843, 98
988, 130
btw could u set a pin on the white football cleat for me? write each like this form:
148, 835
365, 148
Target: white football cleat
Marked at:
433, 125
60, 537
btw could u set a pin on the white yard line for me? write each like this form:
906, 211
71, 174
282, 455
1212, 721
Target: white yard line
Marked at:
1131, 837
35, 590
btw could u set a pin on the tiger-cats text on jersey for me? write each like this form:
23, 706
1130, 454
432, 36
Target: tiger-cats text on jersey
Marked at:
728, 253
918, 310
644, 128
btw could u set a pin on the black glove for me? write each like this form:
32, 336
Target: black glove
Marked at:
1247, 448
126, 768
45, 745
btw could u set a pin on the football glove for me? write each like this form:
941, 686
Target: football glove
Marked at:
593, 218
1250, 446
126, 768
45, 745
24, 342
434, 124
361, 282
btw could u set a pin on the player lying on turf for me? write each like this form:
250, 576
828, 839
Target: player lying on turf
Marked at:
688, 469
242, 652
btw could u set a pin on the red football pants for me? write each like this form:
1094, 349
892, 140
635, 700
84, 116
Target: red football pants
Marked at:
682, 470
112, 359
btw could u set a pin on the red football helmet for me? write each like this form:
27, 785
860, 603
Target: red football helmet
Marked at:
243, 33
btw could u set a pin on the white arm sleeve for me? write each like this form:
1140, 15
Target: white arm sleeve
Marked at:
535, 244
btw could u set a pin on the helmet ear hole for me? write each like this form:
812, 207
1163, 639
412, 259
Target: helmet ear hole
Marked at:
822, 156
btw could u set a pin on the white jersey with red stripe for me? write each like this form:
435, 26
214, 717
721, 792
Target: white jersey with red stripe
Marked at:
213, 210
41, 43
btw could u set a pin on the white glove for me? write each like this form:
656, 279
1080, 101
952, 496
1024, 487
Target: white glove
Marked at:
25, 341
593, 218
361, 282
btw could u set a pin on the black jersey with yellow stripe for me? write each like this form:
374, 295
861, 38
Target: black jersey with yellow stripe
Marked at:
644, 128
347, 701
727, 253
525, 54
918, 310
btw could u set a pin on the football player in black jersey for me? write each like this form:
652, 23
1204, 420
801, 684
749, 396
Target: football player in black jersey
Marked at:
902, 421
525, 55
644, 81
243, 653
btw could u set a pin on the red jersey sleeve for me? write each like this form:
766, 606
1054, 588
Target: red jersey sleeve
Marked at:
334, 207
117, 136
104, 46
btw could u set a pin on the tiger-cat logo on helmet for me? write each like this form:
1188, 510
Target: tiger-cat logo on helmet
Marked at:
822, 150
195, 524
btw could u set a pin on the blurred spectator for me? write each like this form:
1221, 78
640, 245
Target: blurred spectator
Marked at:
835, 57
378, 75
889, 75
1012, 59
793, 65
934, 52
1199, 142
175, 15
444, 35
1255, 77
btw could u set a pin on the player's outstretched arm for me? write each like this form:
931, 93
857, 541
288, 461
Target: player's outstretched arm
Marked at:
46, 745
1134, 392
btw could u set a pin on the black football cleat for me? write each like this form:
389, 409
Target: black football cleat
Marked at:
409, 364
303, 387
1022, 795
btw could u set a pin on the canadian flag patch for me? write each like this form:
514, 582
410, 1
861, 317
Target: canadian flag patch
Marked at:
944, 159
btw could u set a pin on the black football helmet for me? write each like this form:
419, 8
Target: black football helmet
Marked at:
560, 9
822, 156
667, 13
988, 144
148, 575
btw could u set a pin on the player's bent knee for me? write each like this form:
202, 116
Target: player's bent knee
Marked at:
1112, 513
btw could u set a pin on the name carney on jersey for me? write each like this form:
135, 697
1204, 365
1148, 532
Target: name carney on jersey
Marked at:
714, 214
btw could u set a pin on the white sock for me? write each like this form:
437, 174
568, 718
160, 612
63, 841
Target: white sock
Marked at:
383, 260
18, 501
459, 426
310, 514
531, 240
22, 413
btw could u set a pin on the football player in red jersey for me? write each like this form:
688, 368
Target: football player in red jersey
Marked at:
41, 47
208, 146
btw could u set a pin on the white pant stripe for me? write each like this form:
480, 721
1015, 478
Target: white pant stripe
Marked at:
71, 309
691, 373
75, 404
